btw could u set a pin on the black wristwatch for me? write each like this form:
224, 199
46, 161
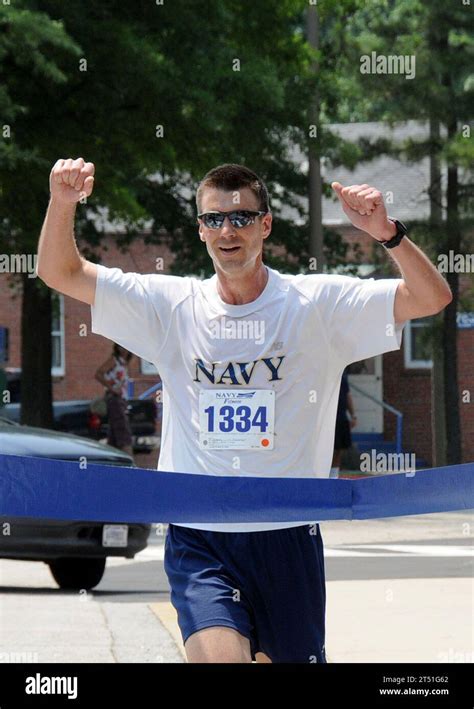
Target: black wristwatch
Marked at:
395, 240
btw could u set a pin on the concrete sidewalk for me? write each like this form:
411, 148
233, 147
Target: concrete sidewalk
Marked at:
400, 620
39, 623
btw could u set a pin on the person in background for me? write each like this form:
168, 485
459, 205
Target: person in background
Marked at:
113, 374
343, 438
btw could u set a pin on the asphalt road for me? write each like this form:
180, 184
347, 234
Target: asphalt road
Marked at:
399, 589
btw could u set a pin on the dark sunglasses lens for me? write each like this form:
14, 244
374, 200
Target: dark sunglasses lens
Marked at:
213, 221
241, 219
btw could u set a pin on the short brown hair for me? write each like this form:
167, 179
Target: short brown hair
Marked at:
230, 177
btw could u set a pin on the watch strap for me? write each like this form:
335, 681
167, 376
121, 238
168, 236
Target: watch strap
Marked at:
400, 233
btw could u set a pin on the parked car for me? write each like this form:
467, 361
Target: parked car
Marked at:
77, 417
75, 552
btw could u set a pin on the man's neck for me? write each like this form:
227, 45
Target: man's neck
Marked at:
243, 288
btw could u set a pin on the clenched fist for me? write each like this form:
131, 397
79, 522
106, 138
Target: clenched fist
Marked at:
71, 180
365, 208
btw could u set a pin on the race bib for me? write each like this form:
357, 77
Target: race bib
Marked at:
236, 419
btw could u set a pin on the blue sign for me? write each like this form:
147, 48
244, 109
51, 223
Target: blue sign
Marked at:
465, 321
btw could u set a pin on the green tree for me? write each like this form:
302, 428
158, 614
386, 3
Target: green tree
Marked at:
29, 43
155, 95
440, 37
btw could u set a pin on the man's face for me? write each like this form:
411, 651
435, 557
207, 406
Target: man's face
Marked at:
247, 240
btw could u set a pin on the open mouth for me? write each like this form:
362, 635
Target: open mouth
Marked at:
229, 249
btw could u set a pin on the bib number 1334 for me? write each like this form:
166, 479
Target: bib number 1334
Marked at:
236, 419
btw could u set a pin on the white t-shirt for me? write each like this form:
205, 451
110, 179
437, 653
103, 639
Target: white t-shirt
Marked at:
296, 338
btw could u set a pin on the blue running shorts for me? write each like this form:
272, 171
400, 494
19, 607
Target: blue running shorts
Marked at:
269, 586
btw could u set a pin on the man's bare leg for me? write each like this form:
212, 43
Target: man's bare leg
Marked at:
220, 644
217, 644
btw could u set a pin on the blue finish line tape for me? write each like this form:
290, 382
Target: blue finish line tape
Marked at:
52, 489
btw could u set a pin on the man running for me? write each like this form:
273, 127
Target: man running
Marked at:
251, 361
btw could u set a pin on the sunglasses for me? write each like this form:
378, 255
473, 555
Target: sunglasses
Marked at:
239, 218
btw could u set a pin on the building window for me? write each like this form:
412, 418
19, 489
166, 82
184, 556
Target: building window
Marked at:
58, 368
417, 345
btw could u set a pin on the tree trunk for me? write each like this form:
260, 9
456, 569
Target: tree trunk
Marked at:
316, 238
438, 418
438, 407
451, 391
36, 354
451, 241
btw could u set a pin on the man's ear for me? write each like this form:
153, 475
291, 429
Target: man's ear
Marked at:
268, 218
200, 232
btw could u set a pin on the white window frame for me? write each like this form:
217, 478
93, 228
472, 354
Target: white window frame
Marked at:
411, 363
61, 370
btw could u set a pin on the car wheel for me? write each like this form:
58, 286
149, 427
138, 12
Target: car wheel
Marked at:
76, 574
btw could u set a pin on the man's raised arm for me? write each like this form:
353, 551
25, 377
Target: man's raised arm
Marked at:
423, 290
59, 264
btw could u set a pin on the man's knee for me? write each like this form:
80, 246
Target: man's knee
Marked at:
217, 644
